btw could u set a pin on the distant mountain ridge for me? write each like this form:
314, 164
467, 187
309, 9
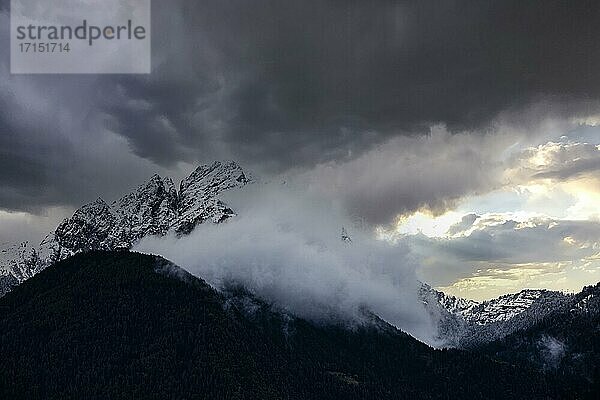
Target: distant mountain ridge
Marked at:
155, 208
467, 324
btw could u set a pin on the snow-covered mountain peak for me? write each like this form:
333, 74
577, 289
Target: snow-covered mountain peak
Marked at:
215, 178
198, 194
87, 228
155, 208
149, 210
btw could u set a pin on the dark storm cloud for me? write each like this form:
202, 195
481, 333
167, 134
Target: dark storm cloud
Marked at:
52, 153
54, 150
284, 84
303, 82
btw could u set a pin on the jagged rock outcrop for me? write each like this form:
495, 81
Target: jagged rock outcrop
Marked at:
155, 208
150, 210
198, 195
88, 229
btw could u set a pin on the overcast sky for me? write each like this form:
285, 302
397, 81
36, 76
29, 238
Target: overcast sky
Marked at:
470, 126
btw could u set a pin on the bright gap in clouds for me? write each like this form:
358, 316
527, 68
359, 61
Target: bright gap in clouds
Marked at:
427, 224
539, 229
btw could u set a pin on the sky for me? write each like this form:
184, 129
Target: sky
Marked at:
467, 129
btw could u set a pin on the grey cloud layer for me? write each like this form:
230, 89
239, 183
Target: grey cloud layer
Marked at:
303, 82
280, 85
562, 161
410, 173
502, 243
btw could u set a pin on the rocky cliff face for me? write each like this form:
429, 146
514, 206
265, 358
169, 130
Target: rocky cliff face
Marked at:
198, 195
155, 208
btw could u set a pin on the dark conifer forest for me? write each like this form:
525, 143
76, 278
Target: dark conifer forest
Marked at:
121, 325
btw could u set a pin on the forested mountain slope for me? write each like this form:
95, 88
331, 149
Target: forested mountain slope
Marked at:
123, 325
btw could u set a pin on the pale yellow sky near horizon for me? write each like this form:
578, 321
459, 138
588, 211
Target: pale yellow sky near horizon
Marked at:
539, 230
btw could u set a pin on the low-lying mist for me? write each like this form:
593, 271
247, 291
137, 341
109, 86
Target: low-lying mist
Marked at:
285, 247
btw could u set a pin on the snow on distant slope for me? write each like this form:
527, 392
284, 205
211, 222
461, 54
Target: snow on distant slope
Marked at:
504, 308
466, 323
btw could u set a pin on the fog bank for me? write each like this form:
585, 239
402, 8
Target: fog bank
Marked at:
286, 247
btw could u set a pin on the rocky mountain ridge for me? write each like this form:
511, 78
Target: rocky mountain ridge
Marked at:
466, 323
155, 208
